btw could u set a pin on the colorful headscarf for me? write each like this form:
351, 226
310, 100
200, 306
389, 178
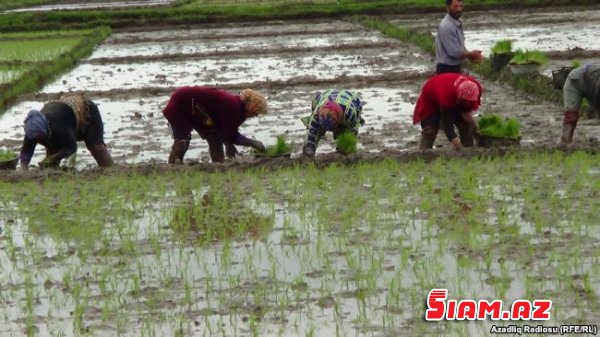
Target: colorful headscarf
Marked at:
330, 114
255, 102
35, 124
468, 91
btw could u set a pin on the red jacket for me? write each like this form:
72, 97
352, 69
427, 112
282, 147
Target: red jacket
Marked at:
439, 92
189, 108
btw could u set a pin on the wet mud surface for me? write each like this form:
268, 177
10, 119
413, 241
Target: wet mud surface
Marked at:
132, 74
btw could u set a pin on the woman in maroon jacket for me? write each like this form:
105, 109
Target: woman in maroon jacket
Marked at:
216, 115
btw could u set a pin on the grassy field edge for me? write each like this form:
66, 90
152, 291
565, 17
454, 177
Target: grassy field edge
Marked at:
43, 73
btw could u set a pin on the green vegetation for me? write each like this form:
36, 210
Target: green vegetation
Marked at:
9, 73
7, 155
266, 251
422, 39
36, 50
502, 47
495, 126
189, 11
281, 147
346, 143
575, 63
12, 4
529, 57
25, 66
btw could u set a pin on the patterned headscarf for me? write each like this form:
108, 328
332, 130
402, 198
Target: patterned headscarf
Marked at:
35, 124
468, 91
255, 102
330, 114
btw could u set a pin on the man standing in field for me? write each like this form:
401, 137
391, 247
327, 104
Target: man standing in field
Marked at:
582, 82
59, 125
334, 110
216, 115
450, 50
448, 99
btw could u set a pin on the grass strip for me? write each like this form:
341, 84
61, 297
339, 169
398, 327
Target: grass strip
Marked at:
37, 77
202, 12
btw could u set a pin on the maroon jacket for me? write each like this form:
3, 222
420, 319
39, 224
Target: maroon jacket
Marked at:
202, 108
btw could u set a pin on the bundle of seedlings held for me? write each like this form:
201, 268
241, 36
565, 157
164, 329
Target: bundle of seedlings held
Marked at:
493, 125
346, 143
281, 148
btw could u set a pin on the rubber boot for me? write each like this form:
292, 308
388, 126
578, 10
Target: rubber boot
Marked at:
215, 147
178, 150
569, 124
428, 135
100, 153
567, 133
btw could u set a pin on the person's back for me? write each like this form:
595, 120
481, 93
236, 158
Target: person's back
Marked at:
58, 127
591, 79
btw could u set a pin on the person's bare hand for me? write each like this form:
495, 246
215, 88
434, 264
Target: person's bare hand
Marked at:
476, 56
456, 143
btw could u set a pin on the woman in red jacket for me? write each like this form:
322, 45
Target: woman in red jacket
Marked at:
448, 99
216, 115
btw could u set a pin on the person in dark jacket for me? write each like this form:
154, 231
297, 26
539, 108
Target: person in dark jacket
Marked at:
447, 100
582, 82
216, 115
59, 125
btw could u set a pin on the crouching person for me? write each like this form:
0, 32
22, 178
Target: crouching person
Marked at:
334, 110
447, 100
582, 82
59, 125
216, 115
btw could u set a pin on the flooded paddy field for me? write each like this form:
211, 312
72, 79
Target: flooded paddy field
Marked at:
132, 74
565, 35
298, 251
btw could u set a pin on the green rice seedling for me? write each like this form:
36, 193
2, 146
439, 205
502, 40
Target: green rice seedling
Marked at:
502, 47
36, 50
494, 126
7, 155
528, 57
10, 73
281, 147
346, 143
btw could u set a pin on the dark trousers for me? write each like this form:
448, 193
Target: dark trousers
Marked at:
441, 68
431, 125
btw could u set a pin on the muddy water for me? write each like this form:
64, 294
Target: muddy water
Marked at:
302, 275
330, 268
289, 68
136, 131
133, 73
545, 31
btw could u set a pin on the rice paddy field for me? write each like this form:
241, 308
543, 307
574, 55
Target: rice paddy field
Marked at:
340, 246
299, 251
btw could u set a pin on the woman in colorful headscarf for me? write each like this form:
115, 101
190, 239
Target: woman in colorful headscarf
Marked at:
59, 125
448, 99
216, 115
334, 110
